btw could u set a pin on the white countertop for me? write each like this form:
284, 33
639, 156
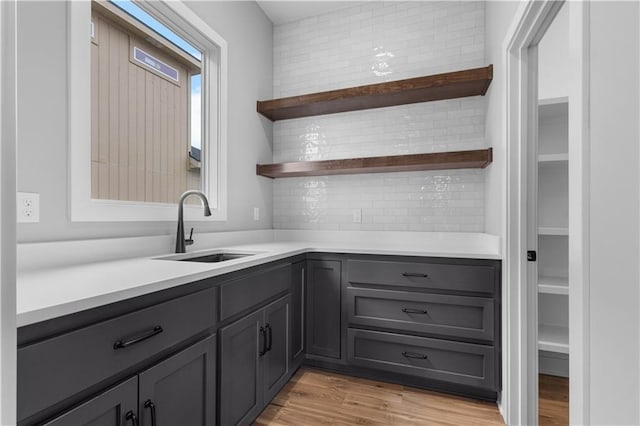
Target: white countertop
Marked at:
56, 290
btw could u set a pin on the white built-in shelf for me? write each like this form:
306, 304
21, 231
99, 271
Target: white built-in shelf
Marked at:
553, 158
553, 285
553, 108
553, 338
553, 230
553, 101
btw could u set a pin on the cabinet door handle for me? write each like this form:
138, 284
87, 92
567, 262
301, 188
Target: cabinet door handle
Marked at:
152, 406
414, 275
131, 416
121, 344
270, 332
263, 333
414, 355
414, 311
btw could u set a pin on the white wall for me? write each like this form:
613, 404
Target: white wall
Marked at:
42, 93
370, 43
553, 58
614, 213
7, 214
499, 15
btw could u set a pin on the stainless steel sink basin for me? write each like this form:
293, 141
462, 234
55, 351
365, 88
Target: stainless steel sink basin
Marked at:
219, 255
216, 257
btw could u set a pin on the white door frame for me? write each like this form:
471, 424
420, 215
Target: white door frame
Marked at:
8, 129
520, 398
579, 199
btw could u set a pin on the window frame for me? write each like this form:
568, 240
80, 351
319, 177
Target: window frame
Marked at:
83, 208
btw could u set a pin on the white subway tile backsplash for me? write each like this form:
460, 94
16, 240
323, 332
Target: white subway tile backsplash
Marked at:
371, 43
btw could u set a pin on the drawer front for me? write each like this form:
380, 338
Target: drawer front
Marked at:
58, 368
453, 277
446, 361
242, 293
457, 316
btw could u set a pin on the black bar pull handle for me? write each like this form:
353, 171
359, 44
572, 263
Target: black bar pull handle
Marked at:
121, 344
270, 331
414, 311
414, 275
131, 416
152, 406
414, 355
263, 333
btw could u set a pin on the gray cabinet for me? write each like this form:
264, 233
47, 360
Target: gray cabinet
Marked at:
49, 370
241, 346
430, 322
114, 407
436, 359
438, 314
324, 308
434, 274
297, 312
276, 358
177, 391
254, 362
181, 389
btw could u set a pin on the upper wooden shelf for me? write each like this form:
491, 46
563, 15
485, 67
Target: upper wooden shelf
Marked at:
396, 163
449, 85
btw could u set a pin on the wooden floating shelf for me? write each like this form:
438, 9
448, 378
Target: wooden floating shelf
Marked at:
458, 84
476, 159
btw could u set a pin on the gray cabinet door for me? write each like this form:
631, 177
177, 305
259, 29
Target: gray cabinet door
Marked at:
48, 370
275, 361
240, 378
114, 407
297, 312
444, 360
181, 389
403, 311
323, 308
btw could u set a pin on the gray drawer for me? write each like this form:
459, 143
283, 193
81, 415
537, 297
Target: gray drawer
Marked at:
446, 361
55, 369
441, 276
457, 316
242, 293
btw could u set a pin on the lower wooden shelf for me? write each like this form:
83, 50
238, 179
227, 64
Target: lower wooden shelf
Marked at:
475, 159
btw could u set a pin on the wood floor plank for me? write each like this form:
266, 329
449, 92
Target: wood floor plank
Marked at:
314, 397
553, 400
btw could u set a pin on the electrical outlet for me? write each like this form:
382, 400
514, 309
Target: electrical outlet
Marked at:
256, 213
357, 216
28, 207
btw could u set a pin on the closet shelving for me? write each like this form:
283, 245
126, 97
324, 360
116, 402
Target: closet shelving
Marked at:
451, 85
553, 230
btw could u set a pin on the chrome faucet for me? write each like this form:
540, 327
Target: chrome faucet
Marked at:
180, 241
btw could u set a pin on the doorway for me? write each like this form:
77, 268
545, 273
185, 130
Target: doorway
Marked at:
546, 230
550, 273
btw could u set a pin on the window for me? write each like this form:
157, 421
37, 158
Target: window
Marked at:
153, 125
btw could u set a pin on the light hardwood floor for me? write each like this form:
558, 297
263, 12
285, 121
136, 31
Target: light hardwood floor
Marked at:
553, 400
314, 397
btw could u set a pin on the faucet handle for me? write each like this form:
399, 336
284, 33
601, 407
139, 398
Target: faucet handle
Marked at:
189, 240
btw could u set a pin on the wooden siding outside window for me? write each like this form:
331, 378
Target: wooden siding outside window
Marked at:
140, 124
